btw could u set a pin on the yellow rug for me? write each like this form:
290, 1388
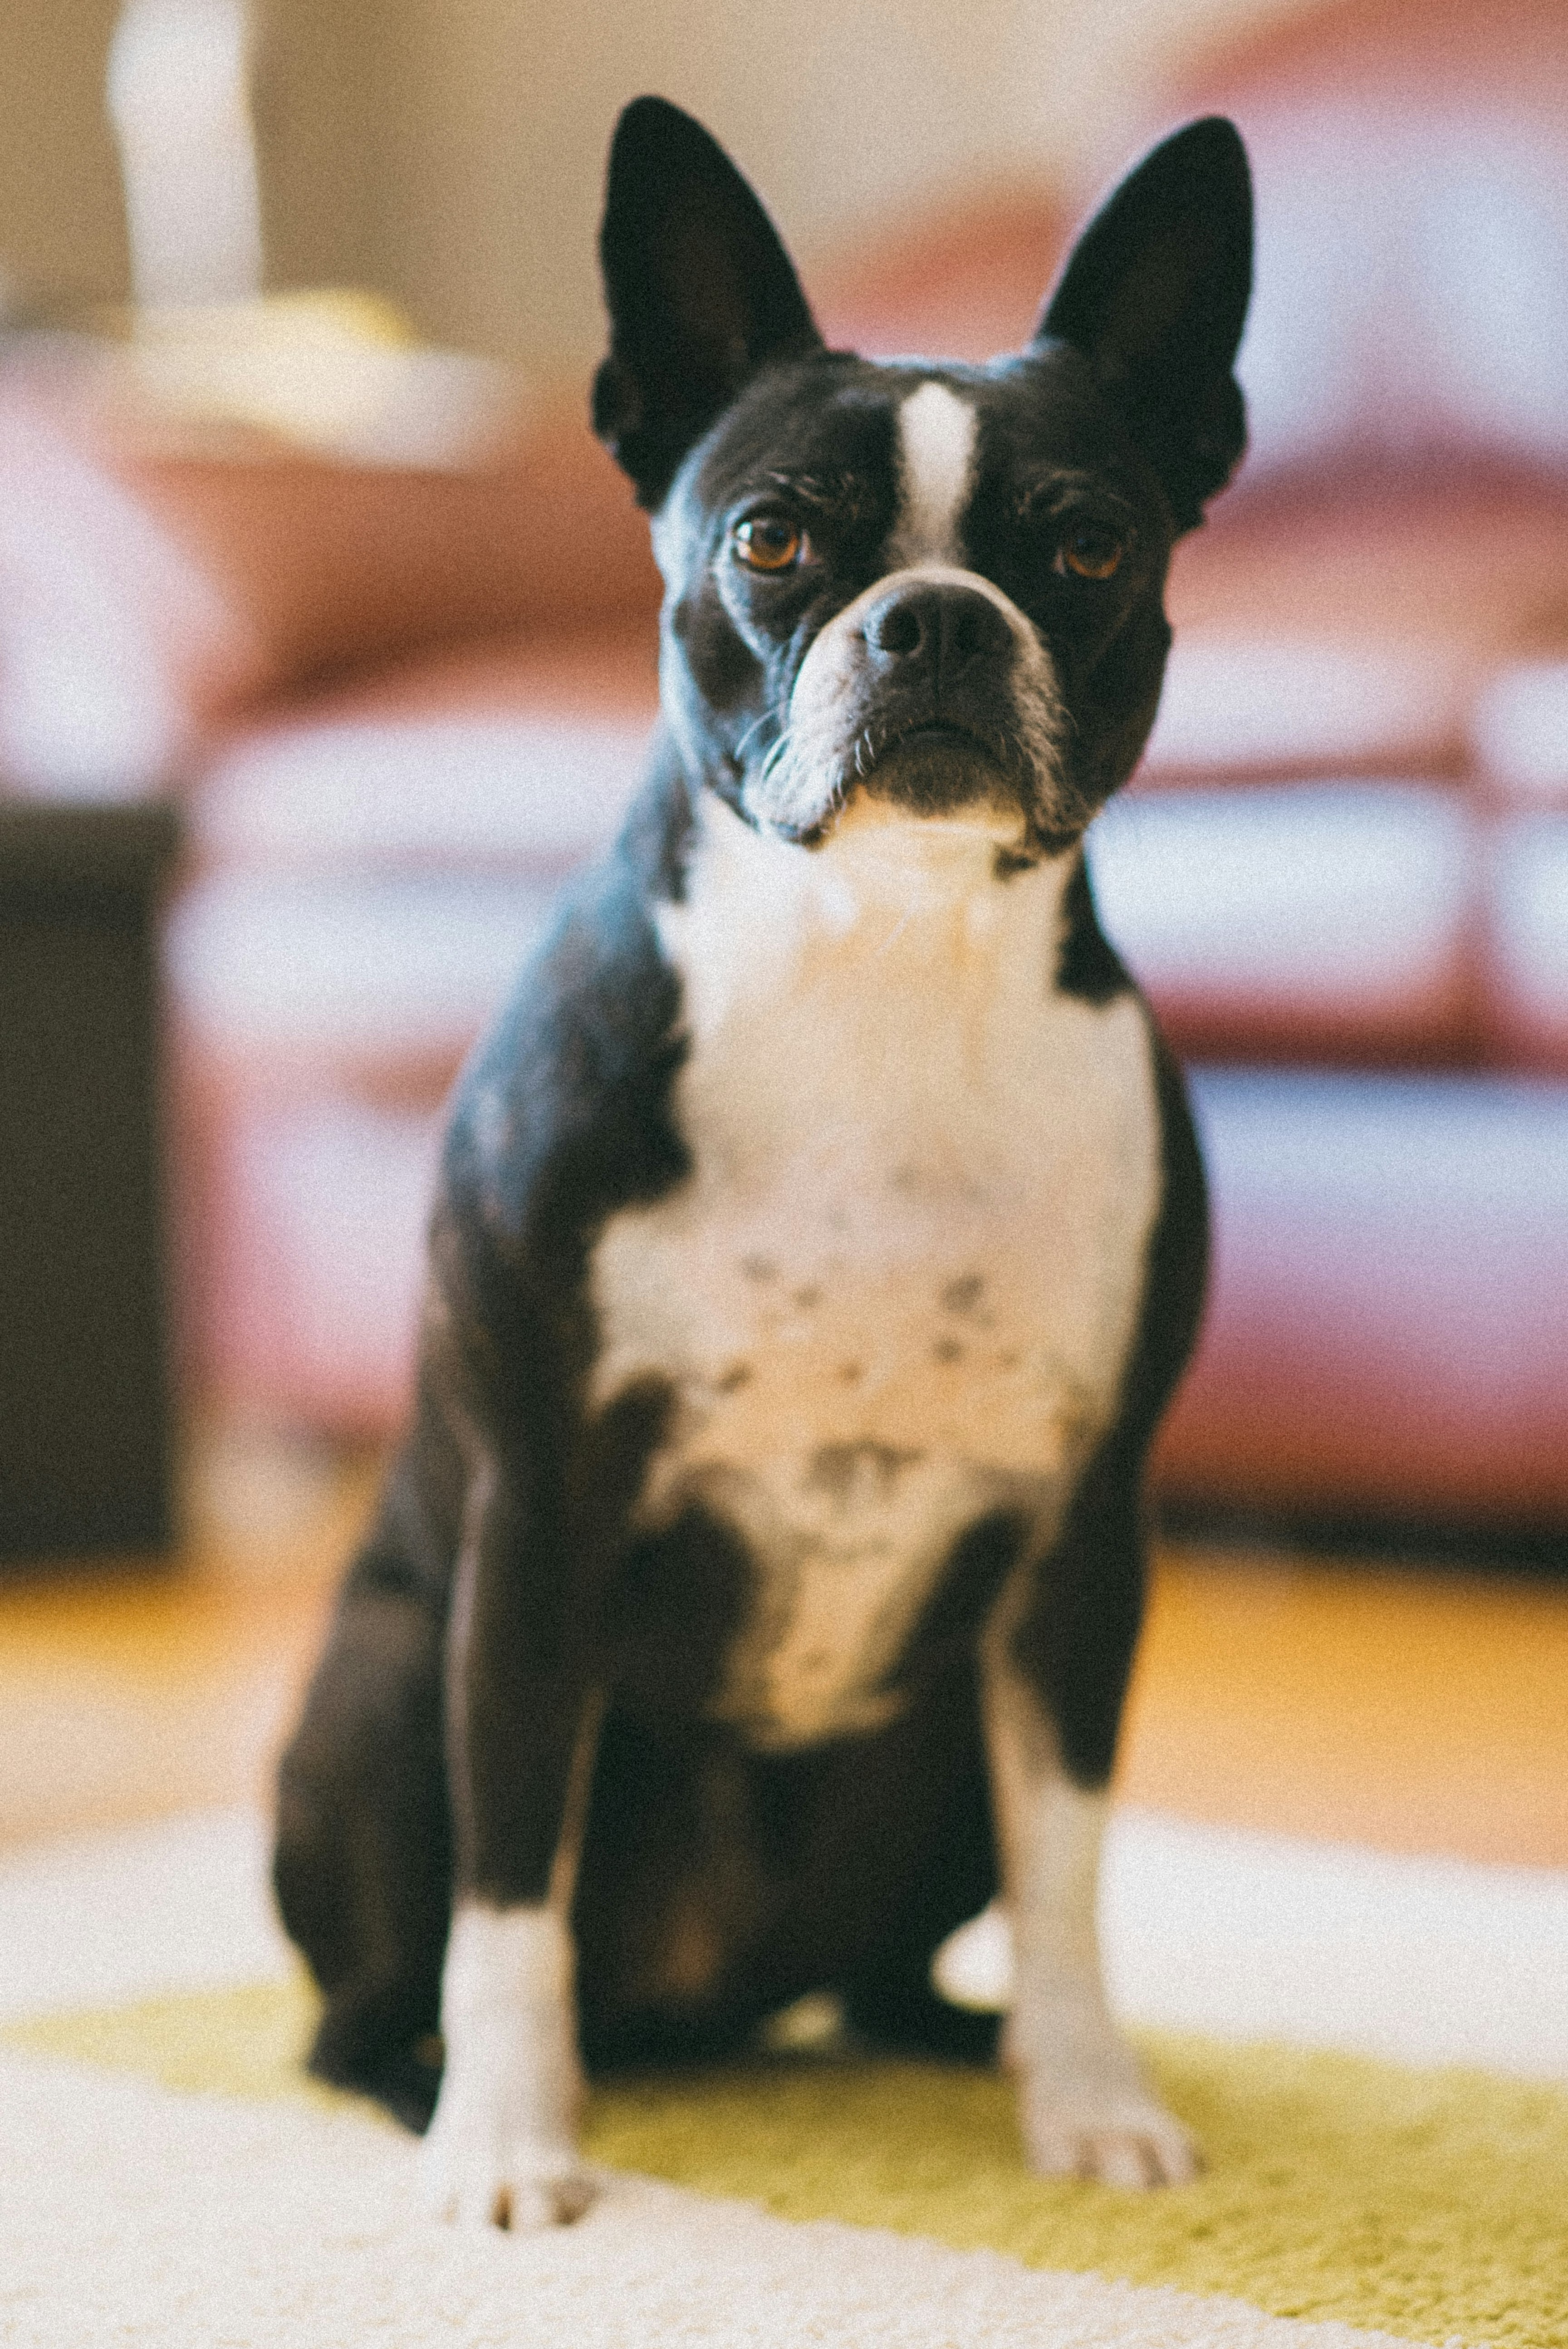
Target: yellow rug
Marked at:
1431, 2205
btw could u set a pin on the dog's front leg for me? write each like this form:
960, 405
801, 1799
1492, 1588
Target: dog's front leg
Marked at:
1084, 2107
522, 1727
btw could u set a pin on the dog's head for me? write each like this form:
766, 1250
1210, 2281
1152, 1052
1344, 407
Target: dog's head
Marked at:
935, 587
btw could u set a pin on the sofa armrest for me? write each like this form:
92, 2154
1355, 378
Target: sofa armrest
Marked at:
158, 585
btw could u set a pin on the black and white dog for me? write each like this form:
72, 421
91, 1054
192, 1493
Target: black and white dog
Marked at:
820, 1235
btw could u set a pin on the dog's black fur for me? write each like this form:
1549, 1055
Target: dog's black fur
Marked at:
435, 1754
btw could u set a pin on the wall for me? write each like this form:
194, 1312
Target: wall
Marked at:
451, 152
61, 229
504, 109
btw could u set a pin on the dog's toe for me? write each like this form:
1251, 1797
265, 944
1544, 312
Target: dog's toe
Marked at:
533, 2188
527, 2205
1135, 2146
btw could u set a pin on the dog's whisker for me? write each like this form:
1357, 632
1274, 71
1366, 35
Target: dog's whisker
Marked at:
775, 757
750, 732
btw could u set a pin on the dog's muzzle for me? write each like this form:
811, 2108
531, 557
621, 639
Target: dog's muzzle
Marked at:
931, 691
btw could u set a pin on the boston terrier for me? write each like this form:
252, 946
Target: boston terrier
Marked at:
820, 1236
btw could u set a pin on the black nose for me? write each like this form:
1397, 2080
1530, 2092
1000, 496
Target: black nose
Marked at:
945, 626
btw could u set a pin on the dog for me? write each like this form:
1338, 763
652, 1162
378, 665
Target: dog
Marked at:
820, 1236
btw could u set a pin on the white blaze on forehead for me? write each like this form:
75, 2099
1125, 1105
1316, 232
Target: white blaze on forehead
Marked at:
937, 431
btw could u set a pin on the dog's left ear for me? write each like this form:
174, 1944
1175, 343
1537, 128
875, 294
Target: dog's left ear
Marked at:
1155, 296
700, 291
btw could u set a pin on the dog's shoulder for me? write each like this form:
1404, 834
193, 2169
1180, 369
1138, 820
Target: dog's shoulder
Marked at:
563, 1112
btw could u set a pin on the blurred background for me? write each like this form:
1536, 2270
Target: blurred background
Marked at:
450, 152
326, 651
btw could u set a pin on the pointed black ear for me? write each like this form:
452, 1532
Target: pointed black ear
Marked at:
700, 291
1155, 294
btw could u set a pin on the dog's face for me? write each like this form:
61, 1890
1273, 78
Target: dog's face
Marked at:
935, 588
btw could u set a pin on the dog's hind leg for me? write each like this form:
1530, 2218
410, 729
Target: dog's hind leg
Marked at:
891, 1997
894, 2004
363, 1862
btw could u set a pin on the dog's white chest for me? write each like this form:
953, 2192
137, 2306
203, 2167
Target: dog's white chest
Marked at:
899, 1286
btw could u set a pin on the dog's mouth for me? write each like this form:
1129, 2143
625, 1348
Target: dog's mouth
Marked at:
945, 774
943, 767
937, 729
957, 739
971, 762
954, 776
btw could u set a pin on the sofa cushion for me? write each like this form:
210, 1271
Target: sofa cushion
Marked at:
156, 589
296, 985
373, 862
1528, 938
1388, 1331
370, 886
1355, 623
1243, 704
1402, 514
519, 753
1519, 730
303, 1221
1309, 920
1410, 158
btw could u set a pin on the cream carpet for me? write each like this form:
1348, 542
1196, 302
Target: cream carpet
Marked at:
132, 2214
129, 2215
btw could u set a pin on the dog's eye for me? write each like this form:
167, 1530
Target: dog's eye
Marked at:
1091, 550
768, 543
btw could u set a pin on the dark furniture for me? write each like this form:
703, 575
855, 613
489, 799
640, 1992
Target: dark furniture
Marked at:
85, 1388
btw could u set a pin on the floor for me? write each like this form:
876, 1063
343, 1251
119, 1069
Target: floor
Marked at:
1411, 1710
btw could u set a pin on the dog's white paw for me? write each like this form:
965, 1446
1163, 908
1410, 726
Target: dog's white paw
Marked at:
502, 2149
522, 2187
1119, 2140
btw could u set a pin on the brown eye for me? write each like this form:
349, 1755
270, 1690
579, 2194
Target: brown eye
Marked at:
768, 543
1091, 550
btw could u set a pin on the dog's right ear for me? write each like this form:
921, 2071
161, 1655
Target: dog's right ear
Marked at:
701, 292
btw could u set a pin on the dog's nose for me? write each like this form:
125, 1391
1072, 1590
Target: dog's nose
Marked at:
945, 626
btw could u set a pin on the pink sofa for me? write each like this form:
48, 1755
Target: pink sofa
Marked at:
1343, 869
1379, 615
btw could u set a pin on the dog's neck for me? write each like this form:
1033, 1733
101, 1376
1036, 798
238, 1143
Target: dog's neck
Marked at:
903, 907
